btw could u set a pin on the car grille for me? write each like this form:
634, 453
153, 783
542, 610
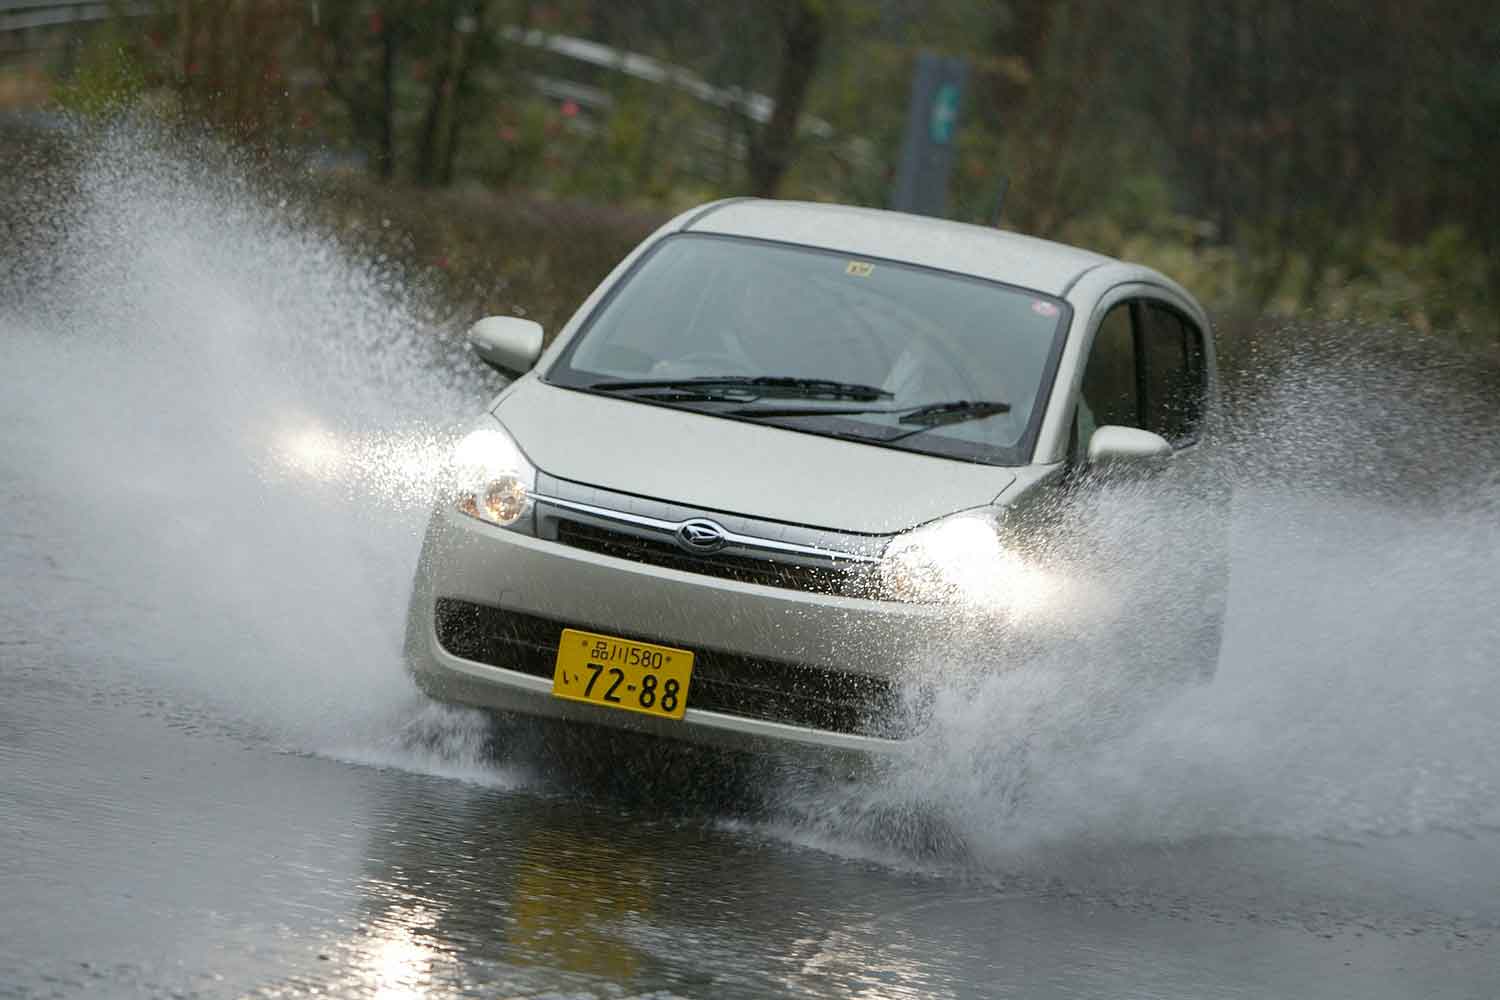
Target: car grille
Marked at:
750, 687
764, 570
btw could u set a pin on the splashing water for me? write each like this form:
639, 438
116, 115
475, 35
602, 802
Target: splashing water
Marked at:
225, 431
1357, 692
222, 430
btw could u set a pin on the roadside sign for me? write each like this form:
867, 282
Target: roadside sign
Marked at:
927, 150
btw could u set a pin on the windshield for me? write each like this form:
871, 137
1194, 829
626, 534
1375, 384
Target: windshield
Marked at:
701, 308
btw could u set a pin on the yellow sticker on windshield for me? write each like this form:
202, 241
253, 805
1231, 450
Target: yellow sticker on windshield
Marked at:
859, 268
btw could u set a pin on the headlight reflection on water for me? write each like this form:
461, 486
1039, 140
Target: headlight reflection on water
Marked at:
403, 468
398, 965
311, 452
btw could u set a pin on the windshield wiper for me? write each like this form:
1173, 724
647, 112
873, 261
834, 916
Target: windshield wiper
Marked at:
928, 415
754, 387
954, 412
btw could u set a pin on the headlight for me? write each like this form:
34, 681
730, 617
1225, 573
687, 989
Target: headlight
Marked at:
960, 560
492, 480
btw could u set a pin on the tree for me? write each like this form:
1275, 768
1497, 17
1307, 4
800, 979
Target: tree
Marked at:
438, 143
359, 52
230, 59
801, 26
375, 57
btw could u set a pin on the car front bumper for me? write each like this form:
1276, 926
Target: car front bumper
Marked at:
494, 572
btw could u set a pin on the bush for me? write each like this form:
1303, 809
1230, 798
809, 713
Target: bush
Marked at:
487, 253
110, 76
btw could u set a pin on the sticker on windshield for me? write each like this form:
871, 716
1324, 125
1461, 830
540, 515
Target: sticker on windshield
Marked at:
859, 268
1042, 308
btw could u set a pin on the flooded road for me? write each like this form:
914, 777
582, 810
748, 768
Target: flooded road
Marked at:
147, 851
155, 845
219, 435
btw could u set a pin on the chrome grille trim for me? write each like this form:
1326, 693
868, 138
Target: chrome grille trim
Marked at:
666, 531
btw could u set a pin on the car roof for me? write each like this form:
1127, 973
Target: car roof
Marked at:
869, 232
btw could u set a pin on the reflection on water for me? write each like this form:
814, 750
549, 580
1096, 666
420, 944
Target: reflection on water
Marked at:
500, 892
496, 892
398, 965
572, 894
491, 892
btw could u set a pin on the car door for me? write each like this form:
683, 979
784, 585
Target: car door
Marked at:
1150, 367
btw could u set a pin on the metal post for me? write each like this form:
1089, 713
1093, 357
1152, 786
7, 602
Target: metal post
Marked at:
927, 151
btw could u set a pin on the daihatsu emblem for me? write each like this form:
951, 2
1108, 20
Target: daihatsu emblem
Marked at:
700, 536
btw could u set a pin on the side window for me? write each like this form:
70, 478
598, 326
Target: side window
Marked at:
1173, 366
1111, 391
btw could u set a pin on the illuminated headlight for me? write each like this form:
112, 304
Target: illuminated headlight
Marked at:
959, 560
492, 480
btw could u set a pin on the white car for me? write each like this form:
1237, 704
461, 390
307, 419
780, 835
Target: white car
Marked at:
742, 492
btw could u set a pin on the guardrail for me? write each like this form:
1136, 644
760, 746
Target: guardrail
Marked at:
28, 15
28, 26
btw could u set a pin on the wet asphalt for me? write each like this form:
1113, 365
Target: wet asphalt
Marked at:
1337, 838
150, 849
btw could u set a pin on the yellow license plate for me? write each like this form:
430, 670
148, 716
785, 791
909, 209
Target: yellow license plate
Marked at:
620, 673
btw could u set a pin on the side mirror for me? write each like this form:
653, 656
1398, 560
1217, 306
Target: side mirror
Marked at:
508, 344
1112, 446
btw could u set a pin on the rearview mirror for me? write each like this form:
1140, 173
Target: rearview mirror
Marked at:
508, 344
1112, 446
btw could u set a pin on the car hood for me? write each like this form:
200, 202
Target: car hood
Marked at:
737, 467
